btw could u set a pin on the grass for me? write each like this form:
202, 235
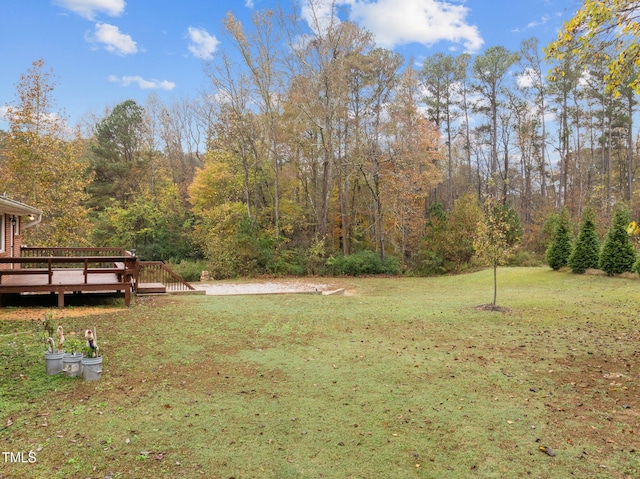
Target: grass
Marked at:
403, 378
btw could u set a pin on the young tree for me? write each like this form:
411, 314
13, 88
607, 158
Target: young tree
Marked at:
496, 237
561, 243
586, 251
617, 254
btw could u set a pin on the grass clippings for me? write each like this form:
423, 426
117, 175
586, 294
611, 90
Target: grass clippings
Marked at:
403, 379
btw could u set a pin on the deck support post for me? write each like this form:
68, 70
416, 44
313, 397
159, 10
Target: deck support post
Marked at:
127, 296
61, 299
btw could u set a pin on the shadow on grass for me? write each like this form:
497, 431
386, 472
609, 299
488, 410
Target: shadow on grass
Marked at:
51, 300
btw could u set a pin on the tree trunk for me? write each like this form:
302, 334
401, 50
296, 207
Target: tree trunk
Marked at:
630, 146
495, 283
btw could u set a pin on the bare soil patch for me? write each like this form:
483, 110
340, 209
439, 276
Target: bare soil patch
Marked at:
493, 307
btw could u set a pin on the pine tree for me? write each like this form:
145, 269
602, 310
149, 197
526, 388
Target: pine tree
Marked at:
586, 251
617, 254
560, 248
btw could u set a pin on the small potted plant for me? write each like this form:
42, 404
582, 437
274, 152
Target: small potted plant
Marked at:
53, 354
72, 360
92, 360
53, 358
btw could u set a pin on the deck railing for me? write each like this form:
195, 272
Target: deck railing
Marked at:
123, 266
158, 272
94, 259
27, 252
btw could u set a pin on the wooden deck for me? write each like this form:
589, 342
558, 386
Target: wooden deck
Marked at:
60, 275
64, 281
76, 270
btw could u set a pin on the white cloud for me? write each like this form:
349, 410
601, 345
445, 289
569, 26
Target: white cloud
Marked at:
319, 14
90, 8
248, 3
528, 78
142, 83
4, 109
399, 22
542, 21
536, 23
524, 81
203, 45
113, 40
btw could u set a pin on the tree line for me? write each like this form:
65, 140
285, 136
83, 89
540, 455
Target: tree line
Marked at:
315, 150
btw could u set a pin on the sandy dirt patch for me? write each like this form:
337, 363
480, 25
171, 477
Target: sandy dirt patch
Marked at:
264, 287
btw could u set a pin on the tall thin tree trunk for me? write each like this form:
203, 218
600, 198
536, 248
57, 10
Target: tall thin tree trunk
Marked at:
495, 283
609, 169
630, 146
543, 172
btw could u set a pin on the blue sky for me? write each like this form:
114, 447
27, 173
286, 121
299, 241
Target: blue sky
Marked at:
103, 52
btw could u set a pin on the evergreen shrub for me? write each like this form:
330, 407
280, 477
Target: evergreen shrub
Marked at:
561, 243
617, 255
586, 251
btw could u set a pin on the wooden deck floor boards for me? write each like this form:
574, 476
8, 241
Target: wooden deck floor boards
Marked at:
60, 277
63, 281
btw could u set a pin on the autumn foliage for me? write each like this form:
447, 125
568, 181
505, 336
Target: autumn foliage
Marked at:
315, 151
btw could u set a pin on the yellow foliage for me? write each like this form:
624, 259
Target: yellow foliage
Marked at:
633, 229
597, 25
42, 165
216, 183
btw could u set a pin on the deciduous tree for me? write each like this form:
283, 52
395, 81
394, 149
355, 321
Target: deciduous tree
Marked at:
496, 237
490, 71
596, 26
41, 163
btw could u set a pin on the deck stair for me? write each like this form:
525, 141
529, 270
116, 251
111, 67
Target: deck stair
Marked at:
155, 277
151, 288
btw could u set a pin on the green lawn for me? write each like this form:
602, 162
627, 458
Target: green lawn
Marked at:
401, 378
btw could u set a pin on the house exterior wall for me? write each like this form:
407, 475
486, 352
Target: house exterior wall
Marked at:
6, 249
17, 239
4, 234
